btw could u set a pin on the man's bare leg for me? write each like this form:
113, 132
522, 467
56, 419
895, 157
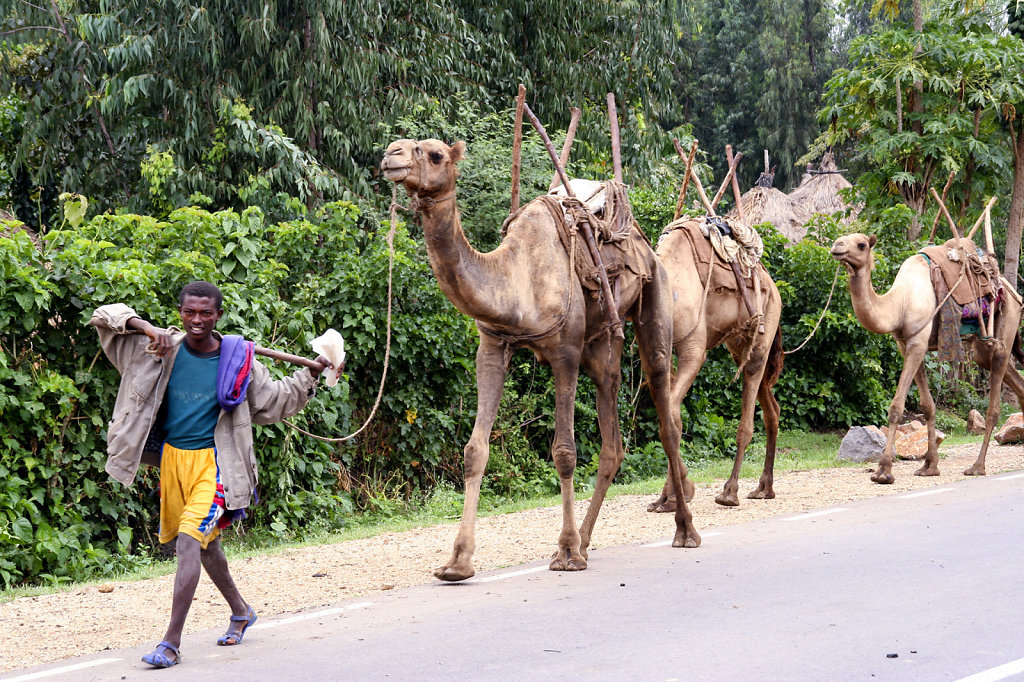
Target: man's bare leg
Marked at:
216, 565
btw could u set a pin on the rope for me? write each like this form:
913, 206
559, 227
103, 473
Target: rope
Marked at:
387, 346
825, 310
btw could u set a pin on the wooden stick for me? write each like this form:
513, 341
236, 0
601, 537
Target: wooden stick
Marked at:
288, 357
988, 229
686, 176
945, 191
766, 169
981, 218
517, 148
613, 119
611, 313
708, 206
727, 180
942, 207
736, 183
570, 135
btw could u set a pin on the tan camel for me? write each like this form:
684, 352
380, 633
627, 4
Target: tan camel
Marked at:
700, 325
907, 311
525, 294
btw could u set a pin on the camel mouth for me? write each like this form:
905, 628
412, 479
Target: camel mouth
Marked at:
396, 174
838, 254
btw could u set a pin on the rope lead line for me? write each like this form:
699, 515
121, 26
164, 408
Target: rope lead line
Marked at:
825, 310
387, 346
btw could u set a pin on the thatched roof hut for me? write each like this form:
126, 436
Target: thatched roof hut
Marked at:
819, 190
769, 205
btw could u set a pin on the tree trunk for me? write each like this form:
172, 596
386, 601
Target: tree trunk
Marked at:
1015, 221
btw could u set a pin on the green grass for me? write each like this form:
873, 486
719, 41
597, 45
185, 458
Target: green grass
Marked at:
796, 451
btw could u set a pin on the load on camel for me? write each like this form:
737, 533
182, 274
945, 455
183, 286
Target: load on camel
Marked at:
529, 293
722, 293
939, 294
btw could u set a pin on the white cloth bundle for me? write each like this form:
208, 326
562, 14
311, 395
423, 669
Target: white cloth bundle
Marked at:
331, 345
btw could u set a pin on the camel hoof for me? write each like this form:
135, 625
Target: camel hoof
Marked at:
760, 494
560, 562
452, 575
975, 471
689, 540
883, 479
727, 500
927, 471
665, 507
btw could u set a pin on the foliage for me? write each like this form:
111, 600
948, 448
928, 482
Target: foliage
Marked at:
109, 84
283, 284
912, 139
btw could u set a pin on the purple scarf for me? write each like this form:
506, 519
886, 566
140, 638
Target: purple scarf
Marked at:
234, 371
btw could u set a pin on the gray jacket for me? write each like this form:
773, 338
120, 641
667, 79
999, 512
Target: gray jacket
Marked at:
143, 383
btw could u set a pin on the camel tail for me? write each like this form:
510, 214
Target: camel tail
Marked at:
1017, 352
773, 366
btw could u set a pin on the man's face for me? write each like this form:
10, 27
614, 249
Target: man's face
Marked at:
199, 316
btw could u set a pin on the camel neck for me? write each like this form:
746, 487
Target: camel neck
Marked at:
872, 310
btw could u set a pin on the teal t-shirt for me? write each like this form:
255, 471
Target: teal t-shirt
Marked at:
191, 399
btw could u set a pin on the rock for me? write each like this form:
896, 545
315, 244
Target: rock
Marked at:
915, 445
105, 589
883, 431
1012, 431
861, 444
909, 428
975, 423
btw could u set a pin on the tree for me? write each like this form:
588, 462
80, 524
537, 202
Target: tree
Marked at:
967, 76
253, 99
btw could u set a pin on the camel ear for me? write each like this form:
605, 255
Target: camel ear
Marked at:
871, 240
458, 151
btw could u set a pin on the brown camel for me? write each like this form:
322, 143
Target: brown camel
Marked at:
702, 324
525, 294
908, 312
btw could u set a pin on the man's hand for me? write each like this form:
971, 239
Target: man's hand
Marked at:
325, 364
161, 343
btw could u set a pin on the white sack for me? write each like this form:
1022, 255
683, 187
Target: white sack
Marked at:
331, 346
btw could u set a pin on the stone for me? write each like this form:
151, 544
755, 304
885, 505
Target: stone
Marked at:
910, 427
915, 445
1012, 431
882, 431
975, 423
861, 444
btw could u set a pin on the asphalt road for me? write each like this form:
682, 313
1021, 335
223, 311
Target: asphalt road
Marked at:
920, 586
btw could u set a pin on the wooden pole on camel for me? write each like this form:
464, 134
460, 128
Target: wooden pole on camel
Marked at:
938, 214
975, 289
570, 135
517, 148
686, 176
613, 120
611, 314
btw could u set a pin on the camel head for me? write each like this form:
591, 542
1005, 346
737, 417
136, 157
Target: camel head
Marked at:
426, 167
854, 251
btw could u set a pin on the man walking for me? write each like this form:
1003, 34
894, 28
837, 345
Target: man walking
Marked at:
199, 392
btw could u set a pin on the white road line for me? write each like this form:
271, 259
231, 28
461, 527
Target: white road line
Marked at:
823, 512
510, 574
1009, 478
665, 543
60, 671
307, 616
933, 491
998, 673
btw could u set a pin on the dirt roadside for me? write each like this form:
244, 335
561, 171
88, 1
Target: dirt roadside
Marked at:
83, 619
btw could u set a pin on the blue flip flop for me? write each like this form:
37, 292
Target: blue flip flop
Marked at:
159, 659
231, 638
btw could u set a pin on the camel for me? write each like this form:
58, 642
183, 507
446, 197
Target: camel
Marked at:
526, 294
908, 312
701, 324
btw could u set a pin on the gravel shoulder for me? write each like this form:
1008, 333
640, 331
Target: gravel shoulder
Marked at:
84, 619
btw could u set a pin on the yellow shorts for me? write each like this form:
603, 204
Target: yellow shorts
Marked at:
189, 483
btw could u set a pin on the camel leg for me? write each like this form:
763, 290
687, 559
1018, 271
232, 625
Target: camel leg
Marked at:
490, 380
691, 353
752, 374
931, 457
602, 363
998, 365
654, 339
565, 368
913, 354
770, 414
